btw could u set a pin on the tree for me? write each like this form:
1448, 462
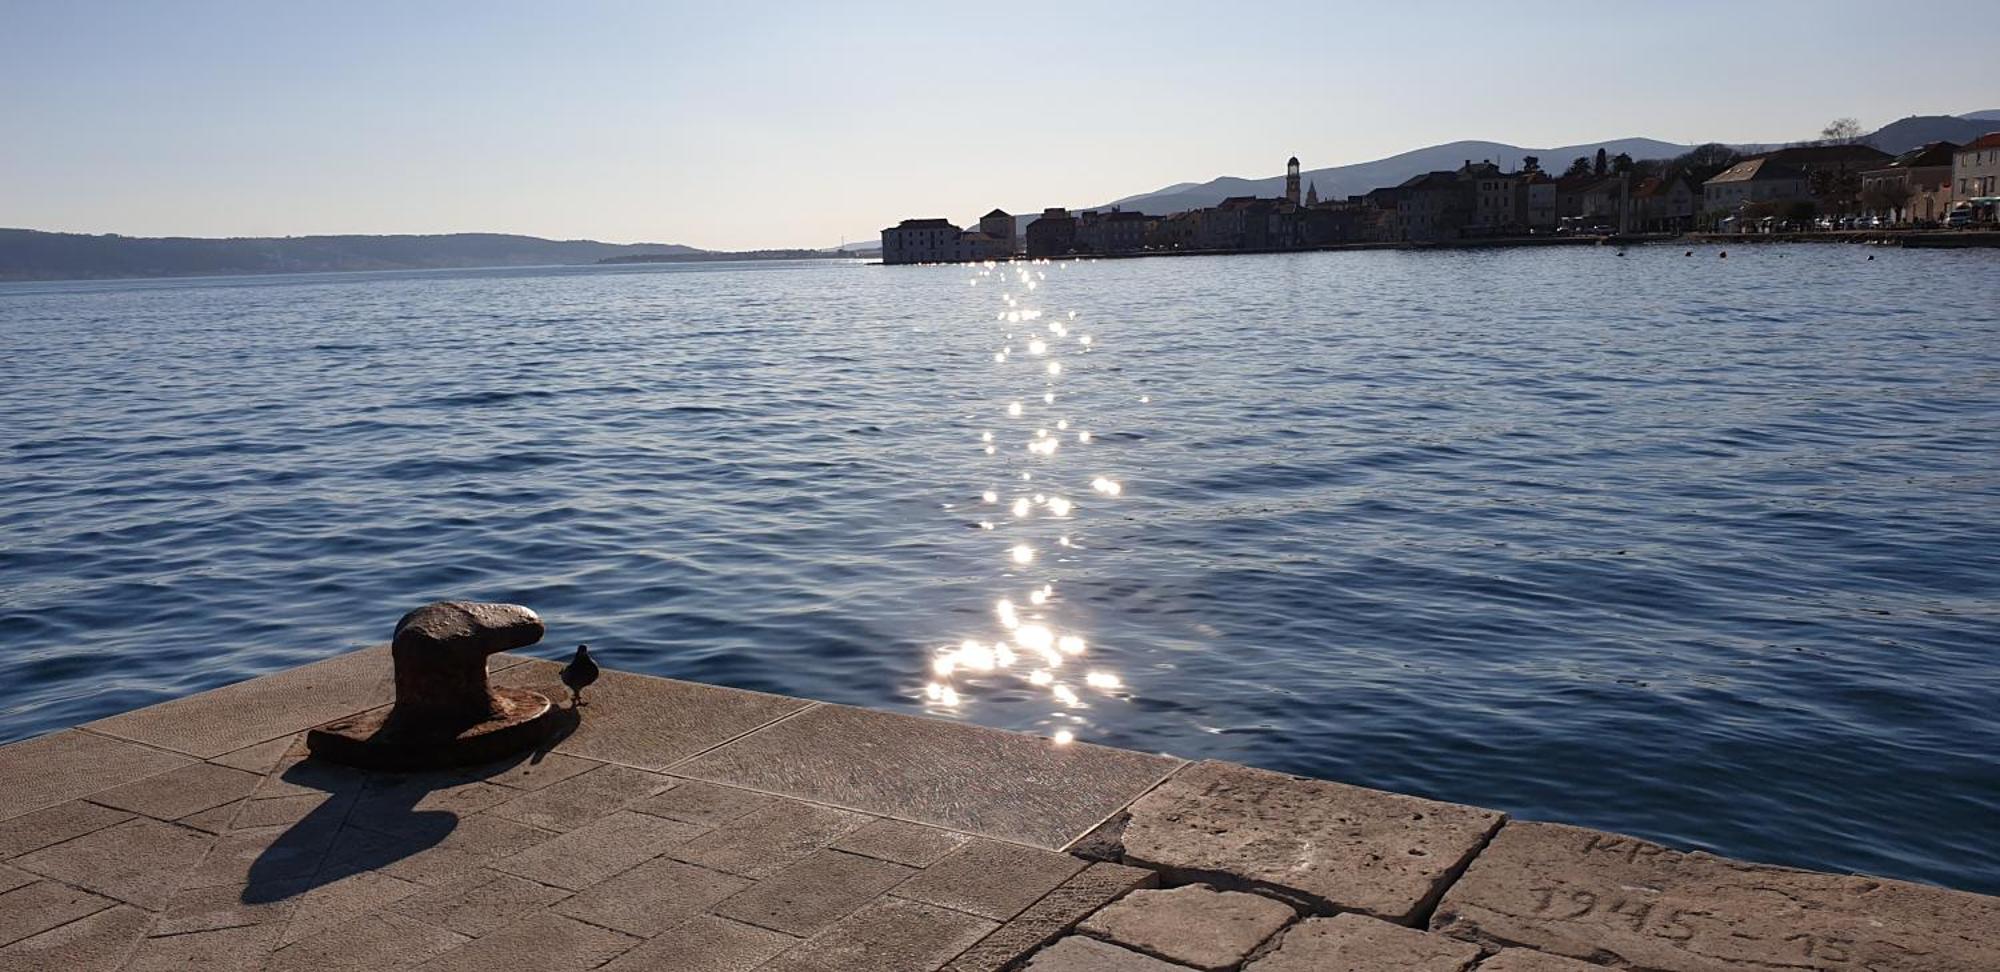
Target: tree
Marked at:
1704, 162
1599, 168
1842, 131
1579, 167
1621, 163
1531, 163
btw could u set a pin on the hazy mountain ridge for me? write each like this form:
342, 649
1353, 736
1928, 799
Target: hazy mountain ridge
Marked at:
1340, 181
37, 255
1352, 180
1917, 131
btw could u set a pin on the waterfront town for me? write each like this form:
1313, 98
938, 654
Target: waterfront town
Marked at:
1714, 188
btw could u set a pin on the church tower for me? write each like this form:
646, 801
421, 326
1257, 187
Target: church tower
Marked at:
1292, 181
1312, 194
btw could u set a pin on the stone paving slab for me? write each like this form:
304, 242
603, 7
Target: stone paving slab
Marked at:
1193, 925
1528, 960
803, 899
1078, 954
1054, 915
41, 905
221, 720
705, 944
97, 943
652, 723
53, 825
1329, 846
139, 862
889, 935
62, 766
1623, 901
652, 897
1358, 943
584, 797
949, 774
180, 792
991, 879
801, 837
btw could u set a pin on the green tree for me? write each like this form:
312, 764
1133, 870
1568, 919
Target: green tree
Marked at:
1579, 167
1601, 165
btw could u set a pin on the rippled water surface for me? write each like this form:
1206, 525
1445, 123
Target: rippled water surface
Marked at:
1705, 550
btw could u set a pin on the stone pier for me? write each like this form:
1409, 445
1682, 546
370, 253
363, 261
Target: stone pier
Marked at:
693, 828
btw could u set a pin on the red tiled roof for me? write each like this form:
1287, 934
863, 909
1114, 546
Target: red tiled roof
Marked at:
1990, 140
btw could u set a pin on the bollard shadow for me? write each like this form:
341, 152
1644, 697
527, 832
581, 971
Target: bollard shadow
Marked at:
365, 820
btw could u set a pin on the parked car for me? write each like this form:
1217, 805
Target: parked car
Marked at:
1958, 218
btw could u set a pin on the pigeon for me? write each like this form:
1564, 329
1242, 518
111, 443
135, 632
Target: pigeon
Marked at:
578, 674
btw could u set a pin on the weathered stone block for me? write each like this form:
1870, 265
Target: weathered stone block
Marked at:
140, 861
948, 774
596, 851
179, 792
888, 935
1328, 846
703, 803
1357, 943
53, 825
43, 905
768, 840
1623, 901
1079, 954
582, 799
544, 942
480, 902
902, 842
99, 943
367, 944
989, 878
1528, 960
652, 897
1055, 914
1193, 925
62, 766
814, 893
705, 944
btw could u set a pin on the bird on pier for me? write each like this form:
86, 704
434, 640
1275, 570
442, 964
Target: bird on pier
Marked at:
578, 674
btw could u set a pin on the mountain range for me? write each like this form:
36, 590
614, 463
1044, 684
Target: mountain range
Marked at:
35, 255
1341, 181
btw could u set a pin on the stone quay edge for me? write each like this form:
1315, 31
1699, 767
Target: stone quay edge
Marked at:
681, 826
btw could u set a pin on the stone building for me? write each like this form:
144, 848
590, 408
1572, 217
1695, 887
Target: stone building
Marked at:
1752, 181
921, 241
1832, 172
1000, 225
1916, 187
1661, 205
1434, 206
1497, 203
1053, 233
1975, 176
1538, 202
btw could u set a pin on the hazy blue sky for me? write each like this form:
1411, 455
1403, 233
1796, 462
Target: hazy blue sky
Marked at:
772, 124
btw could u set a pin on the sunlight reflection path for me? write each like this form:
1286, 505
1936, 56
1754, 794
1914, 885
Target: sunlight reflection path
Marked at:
1034, 461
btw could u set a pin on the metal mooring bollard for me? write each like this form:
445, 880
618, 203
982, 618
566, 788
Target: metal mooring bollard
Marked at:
446, 713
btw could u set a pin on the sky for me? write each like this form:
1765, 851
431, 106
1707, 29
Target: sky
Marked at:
774, 124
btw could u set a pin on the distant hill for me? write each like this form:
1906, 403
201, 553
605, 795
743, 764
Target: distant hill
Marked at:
35, 255
1917, 131
1353, 180
1990, 114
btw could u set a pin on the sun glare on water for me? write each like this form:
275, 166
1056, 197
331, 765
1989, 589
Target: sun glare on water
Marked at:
1034, 644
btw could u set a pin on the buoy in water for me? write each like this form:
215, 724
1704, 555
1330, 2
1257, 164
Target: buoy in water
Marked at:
1724, 254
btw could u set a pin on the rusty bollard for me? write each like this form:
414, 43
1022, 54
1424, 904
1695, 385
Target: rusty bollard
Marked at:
446, 713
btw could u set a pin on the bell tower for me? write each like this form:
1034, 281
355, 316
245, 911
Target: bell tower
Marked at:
1292, 181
